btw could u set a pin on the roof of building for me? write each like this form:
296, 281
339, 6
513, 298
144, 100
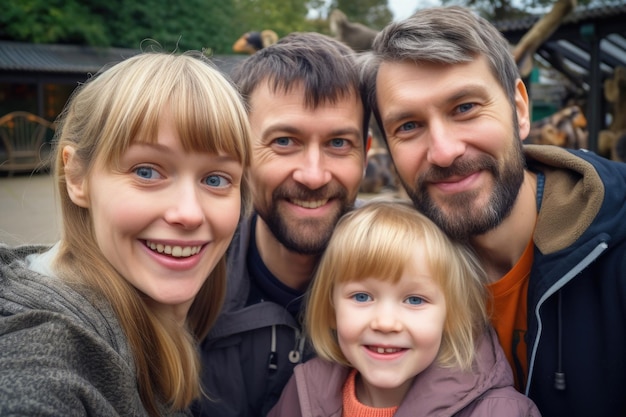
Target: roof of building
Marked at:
586, 48
570, 48
75, 59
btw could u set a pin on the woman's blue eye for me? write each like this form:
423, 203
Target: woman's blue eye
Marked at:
415, 300
217, 181
146, 173
361, 297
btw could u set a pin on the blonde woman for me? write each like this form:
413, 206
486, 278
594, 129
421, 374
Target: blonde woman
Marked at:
397, 316
150, 168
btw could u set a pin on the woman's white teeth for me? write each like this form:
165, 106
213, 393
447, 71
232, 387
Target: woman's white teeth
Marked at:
175, 251
310, 204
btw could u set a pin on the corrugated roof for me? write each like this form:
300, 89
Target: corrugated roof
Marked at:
75, 59
18, 56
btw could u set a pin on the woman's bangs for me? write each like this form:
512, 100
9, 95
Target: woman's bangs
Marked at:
207, 120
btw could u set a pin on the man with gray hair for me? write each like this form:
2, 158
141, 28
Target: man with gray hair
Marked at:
547, 223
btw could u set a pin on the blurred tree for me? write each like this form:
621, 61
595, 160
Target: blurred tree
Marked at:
221, 28
281, 16
181, 25
318, 9
374, 14
43, 21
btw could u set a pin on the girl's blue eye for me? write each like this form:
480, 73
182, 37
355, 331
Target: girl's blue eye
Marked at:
415, 300
147, 173
217, 181
361, 297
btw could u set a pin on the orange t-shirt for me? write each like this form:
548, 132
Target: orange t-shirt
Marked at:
508, 308
352, 407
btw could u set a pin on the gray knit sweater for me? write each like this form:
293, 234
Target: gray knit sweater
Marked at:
61, 354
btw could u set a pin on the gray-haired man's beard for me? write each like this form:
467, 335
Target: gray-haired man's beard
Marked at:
461, 218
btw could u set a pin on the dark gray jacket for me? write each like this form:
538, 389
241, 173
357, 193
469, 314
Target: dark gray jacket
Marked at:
250, 353
61, 354
577, 289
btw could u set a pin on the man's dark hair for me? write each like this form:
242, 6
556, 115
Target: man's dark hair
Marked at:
326, 68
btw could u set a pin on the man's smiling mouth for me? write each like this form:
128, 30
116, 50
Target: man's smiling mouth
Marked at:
309, 204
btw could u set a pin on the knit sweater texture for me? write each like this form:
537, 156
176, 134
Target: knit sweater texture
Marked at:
352, 407
62, 351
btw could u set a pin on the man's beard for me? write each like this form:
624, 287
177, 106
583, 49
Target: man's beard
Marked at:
306, 236
463, 219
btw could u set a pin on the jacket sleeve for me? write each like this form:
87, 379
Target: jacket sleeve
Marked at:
51, 364
502, 402
289, 404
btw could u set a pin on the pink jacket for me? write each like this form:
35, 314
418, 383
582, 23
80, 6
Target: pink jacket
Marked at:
315, 389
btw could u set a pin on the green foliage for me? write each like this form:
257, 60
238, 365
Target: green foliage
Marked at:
182, 25
51, 21
281, 16
172, 25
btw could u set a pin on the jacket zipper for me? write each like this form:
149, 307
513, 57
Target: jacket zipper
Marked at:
578, 268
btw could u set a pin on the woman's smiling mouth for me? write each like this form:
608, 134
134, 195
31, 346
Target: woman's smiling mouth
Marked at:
174, 250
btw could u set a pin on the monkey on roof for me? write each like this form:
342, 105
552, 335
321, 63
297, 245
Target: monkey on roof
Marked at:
250, 42
356, 35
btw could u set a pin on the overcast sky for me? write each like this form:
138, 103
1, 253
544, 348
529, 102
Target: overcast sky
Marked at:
400, 8
404, 8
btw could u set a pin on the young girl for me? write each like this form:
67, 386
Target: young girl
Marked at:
150, 167
397, 316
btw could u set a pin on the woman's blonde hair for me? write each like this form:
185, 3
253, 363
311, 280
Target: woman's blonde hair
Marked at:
378, 240
118, 107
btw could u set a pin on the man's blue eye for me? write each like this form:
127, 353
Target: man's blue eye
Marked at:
217, 181
415, 300
465, 107
283, 141
408, 126
338, 143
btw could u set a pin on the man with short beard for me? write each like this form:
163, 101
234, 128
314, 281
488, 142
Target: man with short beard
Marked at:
310, 135
549, 224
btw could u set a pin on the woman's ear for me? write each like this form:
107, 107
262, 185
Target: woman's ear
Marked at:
74, 178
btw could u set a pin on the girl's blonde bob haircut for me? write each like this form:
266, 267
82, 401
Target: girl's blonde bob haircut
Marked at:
120, 106
377, 240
